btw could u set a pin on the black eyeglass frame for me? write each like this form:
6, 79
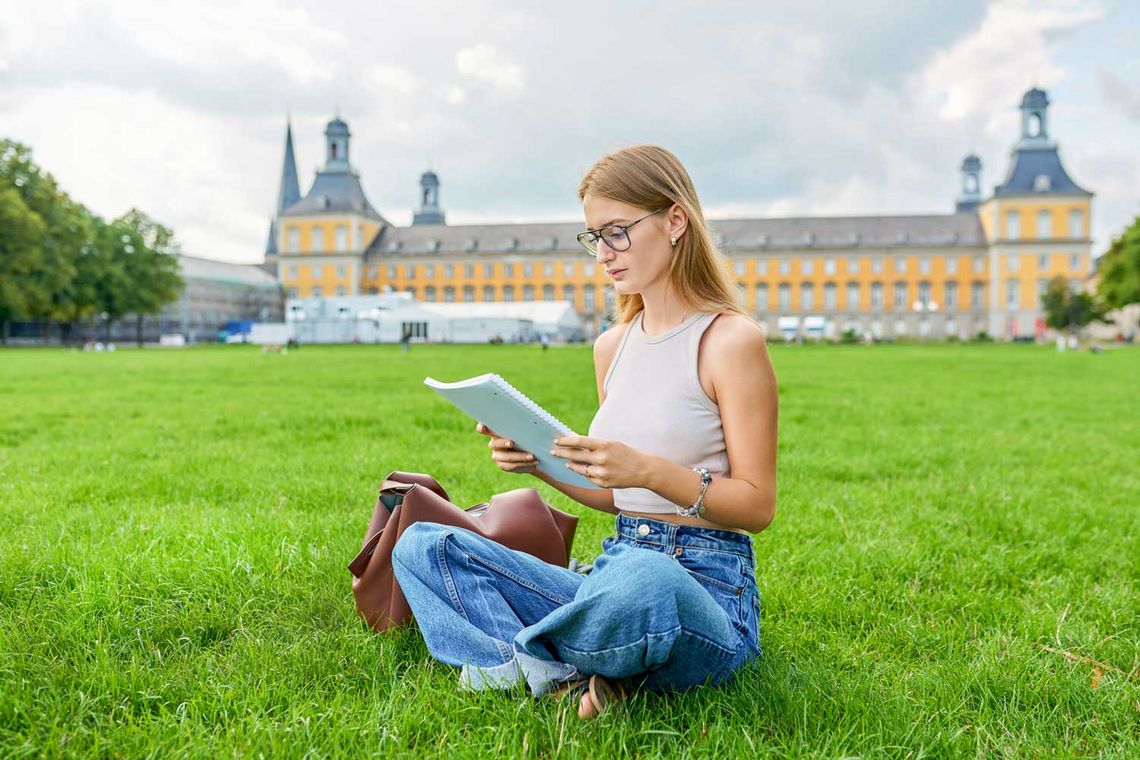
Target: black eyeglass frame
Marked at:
625, 228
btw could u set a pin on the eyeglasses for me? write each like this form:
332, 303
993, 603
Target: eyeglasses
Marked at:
616, 236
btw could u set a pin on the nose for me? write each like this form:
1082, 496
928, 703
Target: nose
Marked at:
605, 253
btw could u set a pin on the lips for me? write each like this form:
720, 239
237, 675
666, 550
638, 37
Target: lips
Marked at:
615, 273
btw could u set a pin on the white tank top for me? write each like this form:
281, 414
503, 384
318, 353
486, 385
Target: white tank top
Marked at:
655, 403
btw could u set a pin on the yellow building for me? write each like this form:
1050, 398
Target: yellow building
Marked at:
979, 269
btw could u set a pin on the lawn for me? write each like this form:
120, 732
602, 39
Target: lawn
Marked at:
954, 568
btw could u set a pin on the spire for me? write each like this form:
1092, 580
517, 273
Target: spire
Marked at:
290, 191
971, 184
429, 211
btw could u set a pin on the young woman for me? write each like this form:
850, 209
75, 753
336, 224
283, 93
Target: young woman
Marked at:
683, 449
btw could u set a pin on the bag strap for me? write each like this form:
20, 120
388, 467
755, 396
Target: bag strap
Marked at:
403, 481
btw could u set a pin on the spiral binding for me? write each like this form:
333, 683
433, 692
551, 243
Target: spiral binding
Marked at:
530, 404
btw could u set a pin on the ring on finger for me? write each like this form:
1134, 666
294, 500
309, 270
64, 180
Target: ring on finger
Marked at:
587, 471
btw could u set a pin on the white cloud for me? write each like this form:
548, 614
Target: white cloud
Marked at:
395, 78
485, 64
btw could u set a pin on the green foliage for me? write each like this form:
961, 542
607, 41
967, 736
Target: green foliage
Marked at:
21, 234
957, 532
82, 265
1119, 269
1067, 309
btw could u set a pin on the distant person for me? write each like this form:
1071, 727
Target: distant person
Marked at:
406, 340
544, 339
672, 602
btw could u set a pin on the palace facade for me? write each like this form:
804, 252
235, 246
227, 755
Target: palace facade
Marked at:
979, 269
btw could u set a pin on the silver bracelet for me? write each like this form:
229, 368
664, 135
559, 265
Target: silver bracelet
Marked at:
697, 508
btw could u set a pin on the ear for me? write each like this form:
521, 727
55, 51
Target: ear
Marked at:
677, 220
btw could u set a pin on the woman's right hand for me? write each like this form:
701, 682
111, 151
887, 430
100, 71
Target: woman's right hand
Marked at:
505, 455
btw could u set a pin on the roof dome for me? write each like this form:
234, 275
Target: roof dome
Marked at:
336, 127
429, 176
1035, 98
971, 163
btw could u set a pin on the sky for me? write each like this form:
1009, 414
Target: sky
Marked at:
776, 108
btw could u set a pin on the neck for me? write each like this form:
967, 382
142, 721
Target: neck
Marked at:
663, 311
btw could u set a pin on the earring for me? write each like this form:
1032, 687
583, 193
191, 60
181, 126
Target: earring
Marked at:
673, 241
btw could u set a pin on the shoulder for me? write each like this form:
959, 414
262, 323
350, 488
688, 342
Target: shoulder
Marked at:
606, 344
730, 333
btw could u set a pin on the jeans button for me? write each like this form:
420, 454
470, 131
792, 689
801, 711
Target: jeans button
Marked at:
643, 529
678, 551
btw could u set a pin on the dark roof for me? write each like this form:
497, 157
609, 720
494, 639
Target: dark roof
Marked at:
1035, 98
194, 268
972, 163
334, 191
336, 127
1028, 164
290, 191
271, 244
729, 234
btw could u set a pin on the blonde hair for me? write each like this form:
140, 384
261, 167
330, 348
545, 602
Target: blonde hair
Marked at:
652, 178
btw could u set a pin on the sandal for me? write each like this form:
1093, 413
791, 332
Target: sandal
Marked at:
602, 691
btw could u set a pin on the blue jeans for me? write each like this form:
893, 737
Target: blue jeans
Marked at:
669, 606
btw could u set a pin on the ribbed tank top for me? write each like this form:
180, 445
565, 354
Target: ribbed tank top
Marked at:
655, 403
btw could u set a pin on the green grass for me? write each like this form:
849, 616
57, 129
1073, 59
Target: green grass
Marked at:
176, 525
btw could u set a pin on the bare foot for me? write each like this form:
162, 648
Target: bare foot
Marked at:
586, 709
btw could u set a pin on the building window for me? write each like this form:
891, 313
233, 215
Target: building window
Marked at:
900, 263
876, 265
410, 271
852, 265
429, 271
976, 294
762, 297
468, 294
292, 273
924, 265
449, 271
924, 292
468, 270
340, 271
1042, 286
1076, 223
548, 269
1044, 224
317, 272
508, 270
589, 268
740, 266
1013, 262
807, 297
290, 292
488, 270
410, 290
568, 269
1012, 225
829, 296
568, 293
588, 296
547, 292
829, 267
900, 326
979, 264
784, 297
373, 272
951, 297
876, 295
391, 271
449, 294
429, 294
508, 293
528, 269
761, 266
359, 237
340, 290
1075, 261
807, 266
316, 291
900, 296
1043, 261
318, 239
785, 266
341, 238
742, 294
294, 236
1012, 293
528, 293
952, 265
853, 295
488, 292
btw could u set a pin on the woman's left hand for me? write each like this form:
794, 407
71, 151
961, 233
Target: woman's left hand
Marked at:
609, 464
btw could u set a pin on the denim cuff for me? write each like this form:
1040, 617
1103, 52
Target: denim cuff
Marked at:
476, 678
543, 675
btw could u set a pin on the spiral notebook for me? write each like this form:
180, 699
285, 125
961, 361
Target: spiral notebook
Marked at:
505, 409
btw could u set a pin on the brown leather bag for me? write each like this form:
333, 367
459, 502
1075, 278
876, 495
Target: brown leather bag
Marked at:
517, 519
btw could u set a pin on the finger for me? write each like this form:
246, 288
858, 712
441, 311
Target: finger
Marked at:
484, 430
503, 444
578, 441
581, 456
521, 456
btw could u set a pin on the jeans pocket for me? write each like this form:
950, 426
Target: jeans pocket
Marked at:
722, 575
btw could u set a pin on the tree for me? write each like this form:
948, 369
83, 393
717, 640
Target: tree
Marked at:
1066, 309
150, 264
1119, 269
21, 233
